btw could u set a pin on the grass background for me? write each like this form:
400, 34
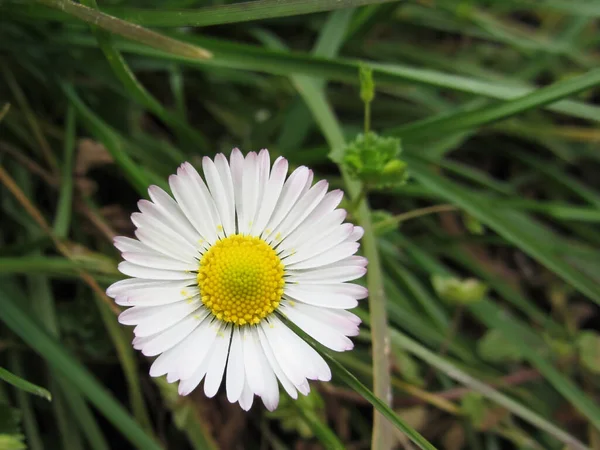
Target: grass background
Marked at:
498, 116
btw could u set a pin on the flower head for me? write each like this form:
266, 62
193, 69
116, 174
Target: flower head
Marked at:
219, 269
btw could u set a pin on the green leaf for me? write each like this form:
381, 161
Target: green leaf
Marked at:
24, 385
495, 348
385, 410
459, 291
588, 344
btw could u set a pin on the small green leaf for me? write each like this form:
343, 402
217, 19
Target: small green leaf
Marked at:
495, 348
373, 159
367, 85
473, 224
24, 385
460, 291
11, 437
588, 344
474, 407
408, 367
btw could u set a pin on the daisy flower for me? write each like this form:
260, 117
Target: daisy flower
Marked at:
219, 269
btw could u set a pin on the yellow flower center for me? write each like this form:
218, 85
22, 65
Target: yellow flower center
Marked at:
241, 279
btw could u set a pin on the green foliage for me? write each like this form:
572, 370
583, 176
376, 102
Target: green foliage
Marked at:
495, 348
459, 291
24, 385
11, 437
588, 345
489, 106
291, 419
373, 159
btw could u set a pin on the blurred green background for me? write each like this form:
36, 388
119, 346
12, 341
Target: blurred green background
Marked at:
484, 265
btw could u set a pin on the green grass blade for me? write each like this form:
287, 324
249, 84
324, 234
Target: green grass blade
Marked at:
447, 124
385, 410
128, 30
62, 219
248, 57
215, 15
112, 143
78, 376
24, 385
454, 372
513, 226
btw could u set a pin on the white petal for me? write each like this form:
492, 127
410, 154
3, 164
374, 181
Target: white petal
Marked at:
162, 317
283, 379
270, 393
316, 298
155, 261
133, 270
197, 348
173, 213
194, 200
221, 188
145, 221
157, 241
126, 244
353, 290
309, 180
179, 224
292, 189
163, 341
189, 384
218, 359
325, 275
328, 336
329, 238
254, 376
311, 231
340, 320
357, 234
170, 361
130, 285
330, 256
236, 163
271, 195
159, 295
303, 207
250, 188
235, 368
247, 397
290, 348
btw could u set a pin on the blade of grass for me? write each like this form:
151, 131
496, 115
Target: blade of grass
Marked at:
512, 225
137, 90
128, 30
24, 385
379, 405
122, 344
446, 124
455, 373
248, 57
215, 15
78, 376
62, 219
30, 424
136, 177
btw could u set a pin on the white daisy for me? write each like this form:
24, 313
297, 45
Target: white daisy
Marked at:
219, 269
